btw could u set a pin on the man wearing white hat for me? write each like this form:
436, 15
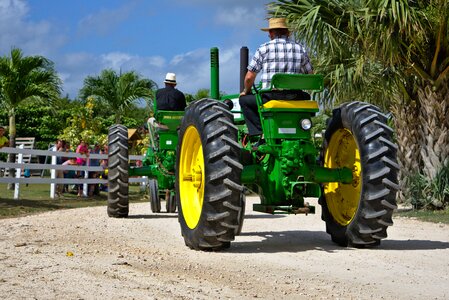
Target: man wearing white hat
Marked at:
170, 98
279, 55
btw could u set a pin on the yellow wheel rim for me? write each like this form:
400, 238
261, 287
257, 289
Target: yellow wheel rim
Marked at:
191, 177
343, 199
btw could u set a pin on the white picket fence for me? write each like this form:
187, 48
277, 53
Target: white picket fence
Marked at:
52, 180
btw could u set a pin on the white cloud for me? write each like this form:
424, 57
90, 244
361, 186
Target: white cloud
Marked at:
115, 60
12, 9
243, 17
156, 61
74, 60
32, 37
192, 69
240, 17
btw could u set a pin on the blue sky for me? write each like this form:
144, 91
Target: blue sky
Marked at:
152, 37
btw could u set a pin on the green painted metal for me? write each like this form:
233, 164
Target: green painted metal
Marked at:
283, 172
285, 124
310, 82
214, 74
168, 140
171, 119
160, 157
285, 169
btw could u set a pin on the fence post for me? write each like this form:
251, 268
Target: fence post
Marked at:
85, 185
53, 175
143, 184
18, 174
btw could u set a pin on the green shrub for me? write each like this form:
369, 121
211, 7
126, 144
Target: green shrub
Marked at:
429, 194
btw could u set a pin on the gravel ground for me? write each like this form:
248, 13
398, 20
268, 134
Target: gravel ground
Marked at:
83, 254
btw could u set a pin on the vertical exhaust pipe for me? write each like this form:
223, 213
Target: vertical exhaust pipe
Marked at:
243, 66
214, 74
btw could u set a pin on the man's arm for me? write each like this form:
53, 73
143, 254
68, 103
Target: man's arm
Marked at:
248, 82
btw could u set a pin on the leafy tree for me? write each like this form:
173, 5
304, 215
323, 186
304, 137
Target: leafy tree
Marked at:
117, 92
392, 53
36, 120
25, 78
84, 123
200, 94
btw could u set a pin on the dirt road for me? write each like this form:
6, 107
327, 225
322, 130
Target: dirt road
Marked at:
83, 254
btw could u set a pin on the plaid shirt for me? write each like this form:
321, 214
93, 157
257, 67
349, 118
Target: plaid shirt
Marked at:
280, 55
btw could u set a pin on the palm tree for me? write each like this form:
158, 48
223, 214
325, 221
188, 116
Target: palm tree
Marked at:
117, 92
392, 52
24, 78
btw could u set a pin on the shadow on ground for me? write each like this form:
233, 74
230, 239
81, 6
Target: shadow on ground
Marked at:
300, 241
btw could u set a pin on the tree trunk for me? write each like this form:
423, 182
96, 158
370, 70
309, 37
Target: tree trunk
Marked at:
434, 136
407, 137
434, 129
12, 144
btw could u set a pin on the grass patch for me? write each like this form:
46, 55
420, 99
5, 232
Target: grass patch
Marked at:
434, 216
35, 198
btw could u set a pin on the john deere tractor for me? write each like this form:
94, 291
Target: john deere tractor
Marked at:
354, 175
158, 164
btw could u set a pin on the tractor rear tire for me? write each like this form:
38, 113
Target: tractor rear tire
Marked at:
118, 187
208, 186
155, 200
358, 137
170, 204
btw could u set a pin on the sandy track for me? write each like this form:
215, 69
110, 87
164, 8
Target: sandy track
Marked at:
276, 257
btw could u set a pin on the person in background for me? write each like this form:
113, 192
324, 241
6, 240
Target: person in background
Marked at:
66, 149
70, 173
280, 55
170, 98
4, 141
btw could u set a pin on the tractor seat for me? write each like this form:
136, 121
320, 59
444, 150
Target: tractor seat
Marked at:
288, 104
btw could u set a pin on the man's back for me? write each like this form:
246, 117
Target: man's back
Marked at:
280, 55
169, 98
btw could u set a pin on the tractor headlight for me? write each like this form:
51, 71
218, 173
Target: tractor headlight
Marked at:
306, 124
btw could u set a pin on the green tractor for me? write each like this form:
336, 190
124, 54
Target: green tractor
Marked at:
158, 164
354, 175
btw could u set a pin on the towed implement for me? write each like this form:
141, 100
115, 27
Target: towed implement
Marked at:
354, 175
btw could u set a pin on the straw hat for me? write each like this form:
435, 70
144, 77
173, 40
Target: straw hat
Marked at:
170, 78
276, 23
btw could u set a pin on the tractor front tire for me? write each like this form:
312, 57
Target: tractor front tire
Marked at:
118, 187
153, 192
208, 186
358, 137
241, 217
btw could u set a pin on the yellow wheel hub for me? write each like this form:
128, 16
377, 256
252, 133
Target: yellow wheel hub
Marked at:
191, 177
343, 199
